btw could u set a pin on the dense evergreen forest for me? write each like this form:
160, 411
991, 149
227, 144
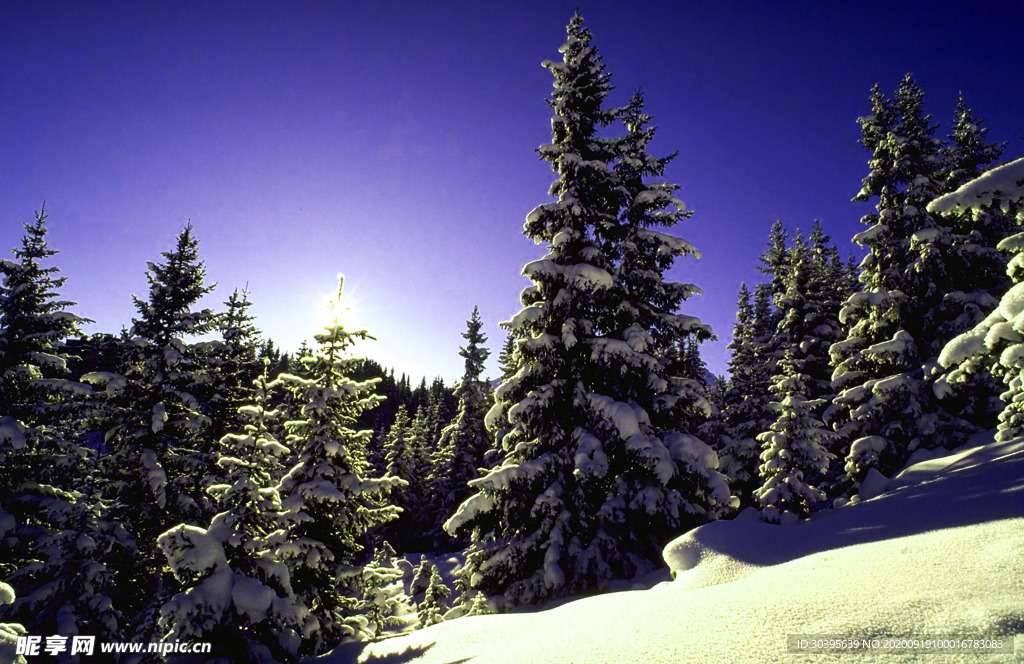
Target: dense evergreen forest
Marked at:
185, 479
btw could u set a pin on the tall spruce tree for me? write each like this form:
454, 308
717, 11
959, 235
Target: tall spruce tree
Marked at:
885, 409
59, 549
159, 463
396, 445
816, 289
775, 260
753, 363
745, 404
33, 324
593, 482
975, 269
463, 443
794, 449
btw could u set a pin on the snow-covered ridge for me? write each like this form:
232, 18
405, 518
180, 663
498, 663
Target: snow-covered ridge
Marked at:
936, 553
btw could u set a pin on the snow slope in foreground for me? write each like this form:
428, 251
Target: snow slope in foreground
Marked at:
938, 553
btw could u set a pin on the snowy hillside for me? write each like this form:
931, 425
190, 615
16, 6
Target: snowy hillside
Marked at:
936, 553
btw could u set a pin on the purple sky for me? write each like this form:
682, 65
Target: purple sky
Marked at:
394, 142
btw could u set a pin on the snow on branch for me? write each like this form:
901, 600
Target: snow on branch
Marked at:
1001, 185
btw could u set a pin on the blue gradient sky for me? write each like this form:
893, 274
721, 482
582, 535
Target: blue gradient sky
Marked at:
394, 142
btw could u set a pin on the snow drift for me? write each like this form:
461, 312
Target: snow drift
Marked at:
936, 553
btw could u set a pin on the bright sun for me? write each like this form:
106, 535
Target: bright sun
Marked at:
342, 307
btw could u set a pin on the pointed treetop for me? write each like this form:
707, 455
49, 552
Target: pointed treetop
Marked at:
966, 152
174, 287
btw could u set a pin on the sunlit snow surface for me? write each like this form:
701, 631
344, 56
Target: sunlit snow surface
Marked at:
938, 553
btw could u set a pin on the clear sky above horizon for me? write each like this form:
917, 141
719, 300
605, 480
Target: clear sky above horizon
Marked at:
395, 142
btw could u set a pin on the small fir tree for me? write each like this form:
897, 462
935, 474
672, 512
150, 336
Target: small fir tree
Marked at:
407, 457
421, 578
329, 501
794, 451
434, 605
387, 607
234, 365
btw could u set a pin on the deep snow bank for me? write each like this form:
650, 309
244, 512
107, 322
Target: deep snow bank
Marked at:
938, 553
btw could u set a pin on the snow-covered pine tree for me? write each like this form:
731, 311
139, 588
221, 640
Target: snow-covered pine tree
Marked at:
34, 323
396, 445
256, 453
158, 463
776, 264
775, 260
593, 483
432, 609
234, 365
746, 410
234, 591
975, 269
755, 353
407, 456
794, 455
742, 409
884, 408
417, 514
478, 605
421, 578
329, 500
59, 550
830, 285
996, 344
158, 445
386, 606
809, 310
463, 443
794, 448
